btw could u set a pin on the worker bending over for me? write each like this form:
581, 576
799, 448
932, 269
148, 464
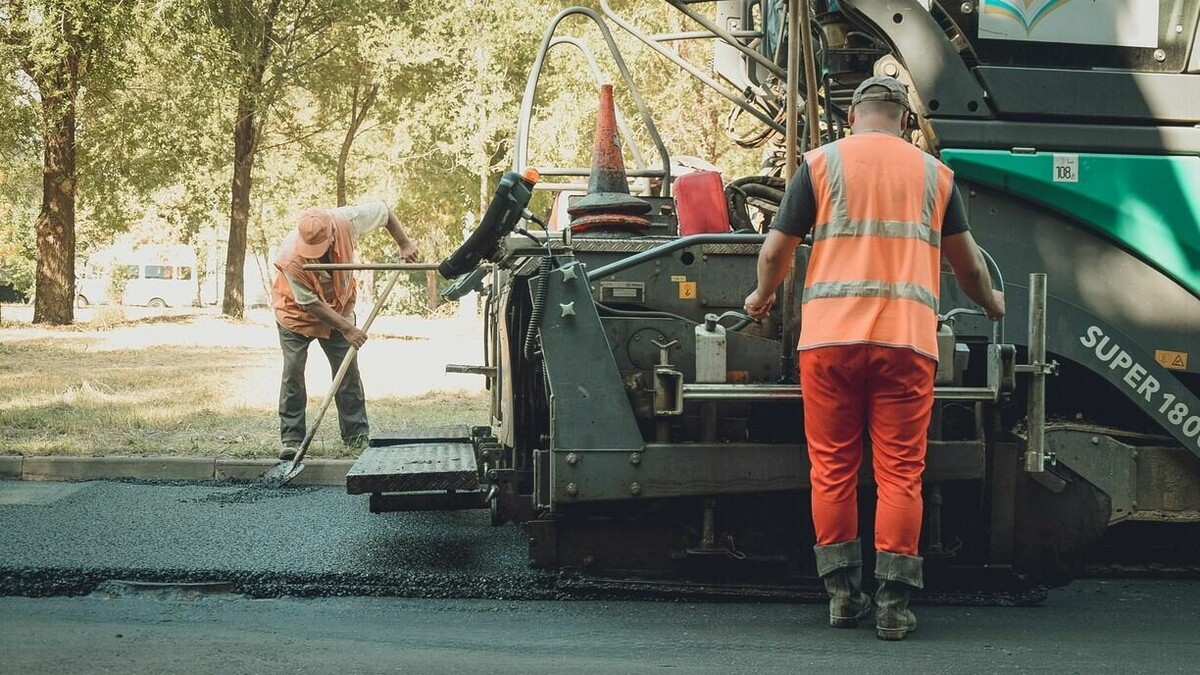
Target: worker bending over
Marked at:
319, 305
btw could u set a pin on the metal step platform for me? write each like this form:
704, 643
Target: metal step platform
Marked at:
457, 432
416, 461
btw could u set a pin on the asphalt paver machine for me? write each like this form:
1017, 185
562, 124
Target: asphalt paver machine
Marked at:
641, 425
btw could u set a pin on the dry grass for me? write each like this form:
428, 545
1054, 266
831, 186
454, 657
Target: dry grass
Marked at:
206, 386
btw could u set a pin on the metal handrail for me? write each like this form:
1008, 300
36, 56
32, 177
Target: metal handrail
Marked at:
792, 392
669, 247
521, 157
598, 75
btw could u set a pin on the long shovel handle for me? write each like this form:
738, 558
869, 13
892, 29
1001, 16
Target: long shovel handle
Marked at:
341, 372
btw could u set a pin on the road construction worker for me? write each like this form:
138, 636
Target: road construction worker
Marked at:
319, 305
881, 213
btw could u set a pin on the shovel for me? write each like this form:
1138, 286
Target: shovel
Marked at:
284, 471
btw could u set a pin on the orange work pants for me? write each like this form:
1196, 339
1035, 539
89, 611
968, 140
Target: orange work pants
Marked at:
889, 391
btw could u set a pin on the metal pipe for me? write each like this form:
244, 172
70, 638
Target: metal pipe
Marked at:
791, 392
693, 70
729, 37
674, 245
1035, 451
792, 93
789, 325
701, 35
411, 267
598, 75
998, 327
810, 75
787, 355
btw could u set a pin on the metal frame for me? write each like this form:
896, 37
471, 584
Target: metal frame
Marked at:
521, 157
692, 70
946, 86
669, 470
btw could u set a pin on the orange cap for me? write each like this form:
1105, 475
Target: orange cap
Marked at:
316, 233
531, 174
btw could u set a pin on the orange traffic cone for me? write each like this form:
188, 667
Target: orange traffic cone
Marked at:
608, 202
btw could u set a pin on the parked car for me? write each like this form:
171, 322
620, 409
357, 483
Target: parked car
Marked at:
151, 276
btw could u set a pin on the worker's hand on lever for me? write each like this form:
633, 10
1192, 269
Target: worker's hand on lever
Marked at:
409, 251
995, 311
758, 304
354, 336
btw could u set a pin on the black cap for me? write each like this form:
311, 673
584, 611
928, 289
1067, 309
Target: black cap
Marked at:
885, 89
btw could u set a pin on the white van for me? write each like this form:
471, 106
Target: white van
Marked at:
151, 276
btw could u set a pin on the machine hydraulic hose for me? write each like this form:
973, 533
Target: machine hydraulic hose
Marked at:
539, 303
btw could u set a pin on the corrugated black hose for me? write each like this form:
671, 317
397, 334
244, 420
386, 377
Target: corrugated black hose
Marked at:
539, 303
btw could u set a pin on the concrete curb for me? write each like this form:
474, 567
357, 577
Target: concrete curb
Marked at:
196, 469
10, 466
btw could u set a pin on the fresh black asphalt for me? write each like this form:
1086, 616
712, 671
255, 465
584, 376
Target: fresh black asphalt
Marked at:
65, 538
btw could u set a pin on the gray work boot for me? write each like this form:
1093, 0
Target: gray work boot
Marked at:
840, 567
288, 450
898, 575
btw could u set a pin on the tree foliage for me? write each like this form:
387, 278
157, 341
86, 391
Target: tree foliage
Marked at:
60, 49
215, 122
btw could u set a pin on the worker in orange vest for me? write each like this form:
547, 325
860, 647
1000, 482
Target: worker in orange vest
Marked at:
881, 213
319, 305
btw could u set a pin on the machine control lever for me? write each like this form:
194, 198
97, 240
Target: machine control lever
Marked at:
711, 320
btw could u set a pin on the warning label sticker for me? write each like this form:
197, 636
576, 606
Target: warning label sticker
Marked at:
687, 290
1172, 360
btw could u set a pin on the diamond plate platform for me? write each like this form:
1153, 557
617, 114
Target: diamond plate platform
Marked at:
457, 433
414, 467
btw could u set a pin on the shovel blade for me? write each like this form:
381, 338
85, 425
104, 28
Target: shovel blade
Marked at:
283, 472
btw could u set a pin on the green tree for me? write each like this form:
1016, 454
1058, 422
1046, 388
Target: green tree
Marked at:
462, 70
251, 35
20, 182
62, 47
265, 49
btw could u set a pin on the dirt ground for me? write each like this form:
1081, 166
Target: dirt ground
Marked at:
146, 382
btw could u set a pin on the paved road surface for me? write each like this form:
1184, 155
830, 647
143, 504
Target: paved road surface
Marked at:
1092, 627
63, 539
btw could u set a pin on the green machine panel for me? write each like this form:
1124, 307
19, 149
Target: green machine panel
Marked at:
1148, 204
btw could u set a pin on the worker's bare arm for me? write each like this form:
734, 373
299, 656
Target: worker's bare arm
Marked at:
338, 322
966, 259
408, 248
774, 260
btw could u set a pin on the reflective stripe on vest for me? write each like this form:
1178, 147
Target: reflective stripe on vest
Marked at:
871, 288
873, 275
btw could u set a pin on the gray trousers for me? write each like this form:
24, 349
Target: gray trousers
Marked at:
293, 396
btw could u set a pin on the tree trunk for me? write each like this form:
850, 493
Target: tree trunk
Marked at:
54, 301
358, 115
343, 155
251, 111
245, 142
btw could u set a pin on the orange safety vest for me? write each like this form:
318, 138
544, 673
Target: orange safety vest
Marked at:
873, 275
294, 317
